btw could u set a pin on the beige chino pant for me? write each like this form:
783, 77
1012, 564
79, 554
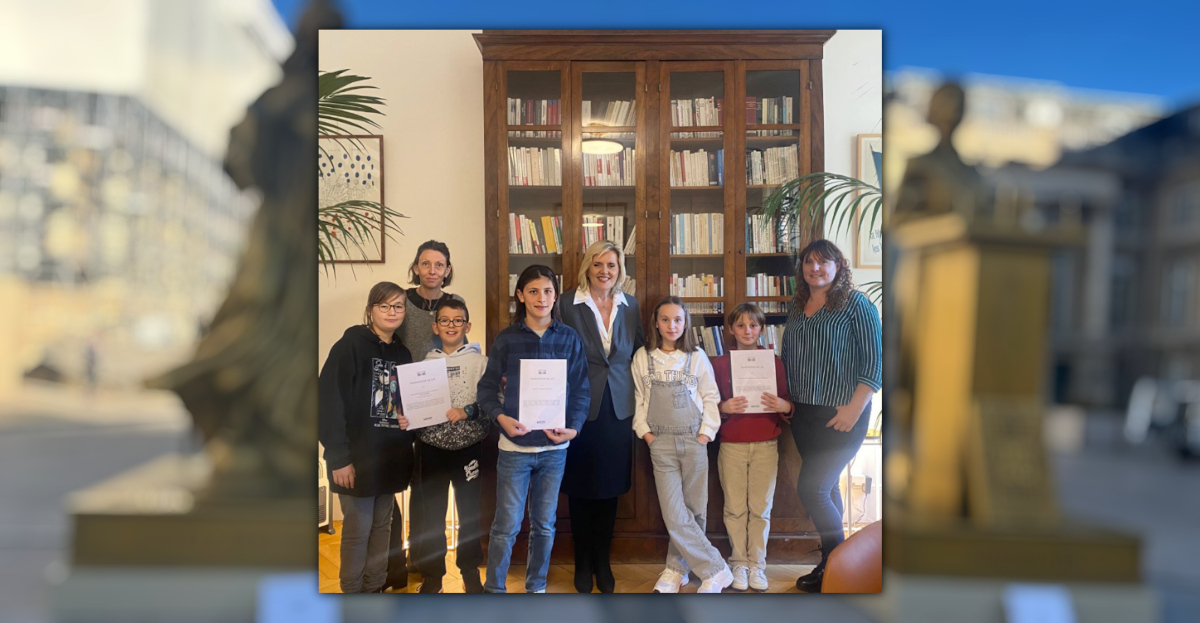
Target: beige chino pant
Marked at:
748, 472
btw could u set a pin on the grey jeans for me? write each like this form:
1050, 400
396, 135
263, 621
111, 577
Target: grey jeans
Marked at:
681, 477
366, 526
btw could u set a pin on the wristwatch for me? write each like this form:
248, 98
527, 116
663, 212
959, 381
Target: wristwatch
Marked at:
472, 410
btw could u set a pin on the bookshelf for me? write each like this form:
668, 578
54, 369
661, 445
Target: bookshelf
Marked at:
681, 114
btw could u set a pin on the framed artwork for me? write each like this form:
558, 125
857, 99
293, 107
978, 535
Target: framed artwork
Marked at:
350, 168
868, 167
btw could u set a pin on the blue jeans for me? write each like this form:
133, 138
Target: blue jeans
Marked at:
517, 473
366, 526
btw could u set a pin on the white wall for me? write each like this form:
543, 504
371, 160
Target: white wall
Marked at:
433, 131
853, 73
433, 162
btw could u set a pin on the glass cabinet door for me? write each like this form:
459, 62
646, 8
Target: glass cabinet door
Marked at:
694, 96
610, 173
776, 151
535, 111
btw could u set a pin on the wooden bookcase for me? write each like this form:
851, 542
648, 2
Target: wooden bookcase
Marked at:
652, 69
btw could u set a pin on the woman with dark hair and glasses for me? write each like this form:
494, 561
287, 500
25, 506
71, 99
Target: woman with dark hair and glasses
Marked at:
368, 450
833, 354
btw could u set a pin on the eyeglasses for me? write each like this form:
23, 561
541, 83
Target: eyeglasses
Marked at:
384, 307
451, 322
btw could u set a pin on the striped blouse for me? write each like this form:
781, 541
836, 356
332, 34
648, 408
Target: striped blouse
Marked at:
828, 354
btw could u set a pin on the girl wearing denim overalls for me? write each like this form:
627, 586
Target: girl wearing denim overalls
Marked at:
676, 413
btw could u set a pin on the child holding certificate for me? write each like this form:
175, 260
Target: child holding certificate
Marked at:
748, 459
367, 449
451, 452
675, 411
544, 407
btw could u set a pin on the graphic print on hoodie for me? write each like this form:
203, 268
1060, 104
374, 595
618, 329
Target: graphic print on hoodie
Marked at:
385, 394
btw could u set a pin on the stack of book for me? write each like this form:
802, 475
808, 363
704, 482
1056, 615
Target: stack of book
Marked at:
534, 166
770, 285
769, 110
704, 308
616, 113
701, 111
699, 168
763, 235
710, 340
772, 338
609, 169
773, 307
698, 234
529, 236
773, 166
597, 228
533, 112
697, 285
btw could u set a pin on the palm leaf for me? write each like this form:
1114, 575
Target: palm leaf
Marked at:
348, 229
839, 201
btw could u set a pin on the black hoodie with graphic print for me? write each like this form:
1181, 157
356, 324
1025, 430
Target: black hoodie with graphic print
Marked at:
358, 403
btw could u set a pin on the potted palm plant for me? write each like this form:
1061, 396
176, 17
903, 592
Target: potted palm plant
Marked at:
823, 198
347, 228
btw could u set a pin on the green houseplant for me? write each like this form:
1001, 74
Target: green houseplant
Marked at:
827, 199
344, 108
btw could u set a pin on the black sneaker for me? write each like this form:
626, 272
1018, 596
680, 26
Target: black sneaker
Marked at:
398, 584
431, 585
471, 582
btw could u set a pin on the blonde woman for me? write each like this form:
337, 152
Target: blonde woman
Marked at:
600, 461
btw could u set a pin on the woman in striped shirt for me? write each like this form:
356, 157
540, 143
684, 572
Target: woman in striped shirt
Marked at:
833, 354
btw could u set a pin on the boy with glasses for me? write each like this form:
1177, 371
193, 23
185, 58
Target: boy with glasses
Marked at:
451, 452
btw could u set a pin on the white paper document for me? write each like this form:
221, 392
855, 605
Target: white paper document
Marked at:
424, 392
544, 393
753, 373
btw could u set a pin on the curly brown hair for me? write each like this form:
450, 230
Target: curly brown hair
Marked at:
839, 292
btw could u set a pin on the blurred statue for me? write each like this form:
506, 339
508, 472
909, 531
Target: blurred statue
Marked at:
252, 387
939, 181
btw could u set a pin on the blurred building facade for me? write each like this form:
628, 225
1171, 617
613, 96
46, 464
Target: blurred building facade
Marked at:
1127, 304
119, 231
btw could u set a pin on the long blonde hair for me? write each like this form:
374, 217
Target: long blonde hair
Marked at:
686, 342
595, 250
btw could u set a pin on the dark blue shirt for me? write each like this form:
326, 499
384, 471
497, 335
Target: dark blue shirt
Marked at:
519, 342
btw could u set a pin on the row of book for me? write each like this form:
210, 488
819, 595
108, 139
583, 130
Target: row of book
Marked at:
701, 111
609, 169
533, 112
763, 235
704, 308
703, 284
528, 236
698, 234
710, 340
773, 307
697, 168
615, 113
597, 227
762, 284
534, 166
767, 110
774, 165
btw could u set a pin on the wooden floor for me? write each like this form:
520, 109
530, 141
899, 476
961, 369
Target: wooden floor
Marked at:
630, 578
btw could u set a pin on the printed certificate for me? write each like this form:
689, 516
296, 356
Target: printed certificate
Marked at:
544, 393
753, 373
424, 392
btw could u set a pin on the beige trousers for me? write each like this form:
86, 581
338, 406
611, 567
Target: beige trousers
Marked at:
748, 472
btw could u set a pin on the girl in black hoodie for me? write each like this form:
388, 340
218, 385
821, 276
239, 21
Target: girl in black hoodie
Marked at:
367, 447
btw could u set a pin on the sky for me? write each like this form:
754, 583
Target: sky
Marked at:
1134, 47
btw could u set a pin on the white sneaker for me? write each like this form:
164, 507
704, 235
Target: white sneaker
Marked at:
739, 579
717, 583
758, 580
670, 581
